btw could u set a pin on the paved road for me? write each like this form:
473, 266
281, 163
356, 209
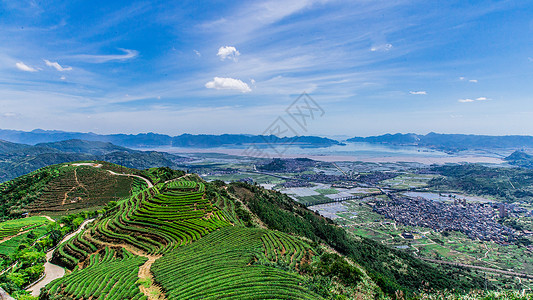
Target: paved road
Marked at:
52, 271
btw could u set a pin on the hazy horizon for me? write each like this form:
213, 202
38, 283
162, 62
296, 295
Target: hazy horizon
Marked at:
339, 137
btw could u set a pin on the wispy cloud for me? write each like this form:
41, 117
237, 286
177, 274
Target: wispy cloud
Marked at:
418, 93
467, 100
57, 66
228, 52
128, 54
197, 53
23, 67
221, 83
381, 48
462, 78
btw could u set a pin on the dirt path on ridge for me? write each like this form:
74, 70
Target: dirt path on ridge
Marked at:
153, 292
131, 175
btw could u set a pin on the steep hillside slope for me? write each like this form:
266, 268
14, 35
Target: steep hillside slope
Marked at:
391, 269
195, 245
66, 188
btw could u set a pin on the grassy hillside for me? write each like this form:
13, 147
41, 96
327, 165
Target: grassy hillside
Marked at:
66, 188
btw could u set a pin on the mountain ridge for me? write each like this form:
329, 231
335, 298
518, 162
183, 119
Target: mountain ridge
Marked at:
152, 140
450, 142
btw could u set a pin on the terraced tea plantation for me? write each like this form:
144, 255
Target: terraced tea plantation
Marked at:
14, 227
67, 188
198, 243
109, 272
220, 266
154, 221
80, 187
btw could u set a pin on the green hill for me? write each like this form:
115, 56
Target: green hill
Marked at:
184, 238
67, 188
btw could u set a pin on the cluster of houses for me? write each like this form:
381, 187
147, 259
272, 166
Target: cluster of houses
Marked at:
476, 220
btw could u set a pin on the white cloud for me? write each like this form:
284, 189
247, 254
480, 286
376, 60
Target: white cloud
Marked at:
252, 81
462, 78
221, 83
128, 54
23, 67
473, 80
381, 48
228, 52
197, 53
63, 78
57, 66
418, 93
482, 99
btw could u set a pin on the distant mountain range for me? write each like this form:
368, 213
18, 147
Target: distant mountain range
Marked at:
44, 140
152, 140
18, 159
450, 142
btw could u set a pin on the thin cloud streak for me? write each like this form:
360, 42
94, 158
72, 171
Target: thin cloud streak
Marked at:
128, 54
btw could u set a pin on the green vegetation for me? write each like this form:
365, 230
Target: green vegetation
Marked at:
22, 257
408, 181
391, 269
109, 274
155, 220
451, 246
13, 227
228, 254
189, 223
506, 184
158, 175
212, 240
66, 188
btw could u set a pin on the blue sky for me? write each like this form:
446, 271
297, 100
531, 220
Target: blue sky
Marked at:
233, 67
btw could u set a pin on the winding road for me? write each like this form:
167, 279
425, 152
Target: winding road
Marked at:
131, 175
52, 271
